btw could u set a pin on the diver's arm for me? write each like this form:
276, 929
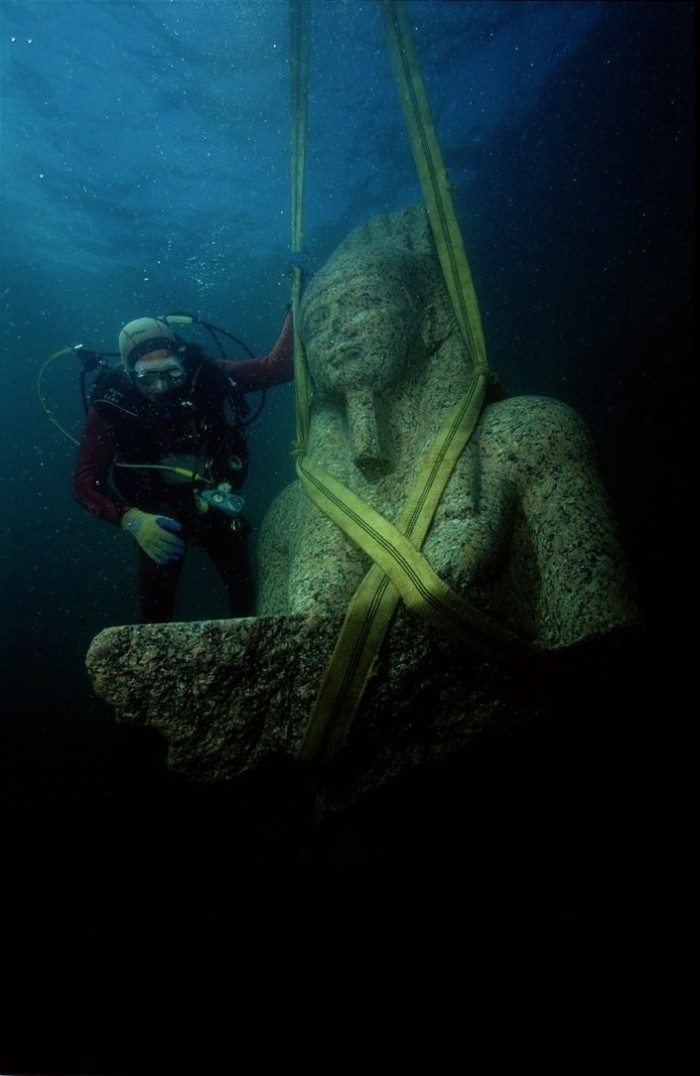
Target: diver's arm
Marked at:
90, 480
252, 375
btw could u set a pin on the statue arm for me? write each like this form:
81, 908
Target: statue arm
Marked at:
583, 588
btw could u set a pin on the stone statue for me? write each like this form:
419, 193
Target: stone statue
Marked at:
523, 532
524, 529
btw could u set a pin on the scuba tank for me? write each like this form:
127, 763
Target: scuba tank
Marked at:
98, 370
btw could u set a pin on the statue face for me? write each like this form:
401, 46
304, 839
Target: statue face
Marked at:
359, 325
356, 329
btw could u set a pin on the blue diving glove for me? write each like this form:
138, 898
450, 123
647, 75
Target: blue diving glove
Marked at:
157, 535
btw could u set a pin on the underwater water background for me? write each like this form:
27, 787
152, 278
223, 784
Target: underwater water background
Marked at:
144, 156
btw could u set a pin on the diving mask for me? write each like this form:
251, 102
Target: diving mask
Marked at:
159, 376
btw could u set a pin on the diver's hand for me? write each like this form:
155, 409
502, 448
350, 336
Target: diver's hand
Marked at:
157, 535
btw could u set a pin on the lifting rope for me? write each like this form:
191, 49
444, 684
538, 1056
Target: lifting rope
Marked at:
299, 92
433, 176
399, 571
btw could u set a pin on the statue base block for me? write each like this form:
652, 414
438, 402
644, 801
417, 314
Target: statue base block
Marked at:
229, 695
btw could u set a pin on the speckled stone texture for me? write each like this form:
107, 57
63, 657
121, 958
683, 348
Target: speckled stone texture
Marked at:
229, 695
524, 531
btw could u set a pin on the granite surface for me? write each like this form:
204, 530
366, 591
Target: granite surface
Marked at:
228, 695
524, 528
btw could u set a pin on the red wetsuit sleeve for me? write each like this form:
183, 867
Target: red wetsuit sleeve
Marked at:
252, 375
91, 476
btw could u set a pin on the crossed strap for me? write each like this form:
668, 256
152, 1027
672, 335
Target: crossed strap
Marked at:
400, 571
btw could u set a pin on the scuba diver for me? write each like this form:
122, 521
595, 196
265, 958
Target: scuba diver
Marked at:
163, 455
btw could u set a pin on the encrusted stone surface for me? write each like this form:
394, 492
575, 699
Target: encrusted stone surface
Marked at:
226, 695
524, 532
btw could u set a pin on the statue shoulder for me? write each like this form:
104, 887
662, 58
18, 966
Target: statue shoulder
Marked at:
531, 418
534, 432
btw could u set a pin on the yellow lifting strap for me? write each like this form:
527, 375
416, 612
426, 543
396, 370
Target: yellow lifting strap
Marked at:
399, 570
299, 93
433, 177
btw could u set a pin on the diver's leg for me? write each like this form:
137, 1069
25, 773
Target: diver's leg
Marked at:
230, 555
157, 589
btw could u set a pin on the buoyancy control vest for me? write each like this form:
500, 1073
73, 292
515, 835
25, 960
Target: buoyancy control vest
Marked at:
192, 439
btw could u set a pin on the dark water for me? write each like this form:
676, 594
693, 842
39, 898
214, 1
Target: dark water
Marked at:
532, 893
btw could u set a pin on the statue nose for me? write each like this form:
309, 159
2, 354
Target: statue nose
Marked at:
369, 453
